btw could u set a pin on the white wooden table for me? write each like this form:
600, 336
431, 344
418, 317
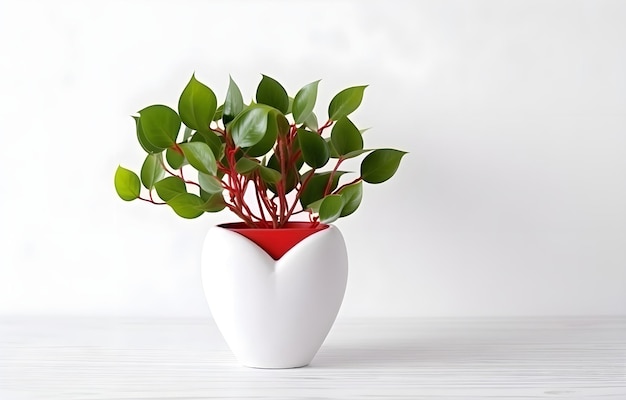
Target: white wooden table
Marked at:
361, 359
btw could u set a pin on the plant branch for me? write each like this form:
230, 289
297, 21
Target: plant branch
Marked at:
357, 180
326, 125
332, 176
150, 200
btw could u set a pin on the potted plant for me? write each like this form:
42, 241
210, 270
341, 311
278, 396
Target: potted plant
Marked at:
274, 280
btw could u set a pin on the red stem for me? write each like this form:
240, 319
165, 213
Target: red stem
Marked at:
332, 175
303, 185
359, 179
150, 200
326, 125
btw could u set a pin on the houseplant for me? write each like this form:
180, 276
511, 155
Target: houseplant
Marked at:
274, 282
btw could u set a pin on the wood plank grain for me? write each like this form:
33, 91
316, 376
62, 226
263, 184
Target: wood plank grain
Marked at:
93, 359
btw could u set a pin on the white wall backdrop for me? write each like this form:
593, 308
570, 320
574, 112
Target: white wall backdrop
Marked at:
512, 200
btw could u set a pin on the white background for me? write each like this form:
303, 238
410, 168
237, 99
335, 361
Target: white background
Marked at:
512, 200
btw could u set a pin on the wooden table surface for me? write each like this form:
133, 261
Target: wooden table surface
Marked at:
528, 358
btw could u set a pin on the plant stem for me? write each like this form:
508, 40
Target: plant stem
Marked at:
150, 200
299, 192
359, 179
332, 176
258, 200
326, 125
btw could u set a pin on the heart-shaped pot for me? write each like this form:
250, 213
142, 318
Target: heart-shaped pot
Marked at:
274, 313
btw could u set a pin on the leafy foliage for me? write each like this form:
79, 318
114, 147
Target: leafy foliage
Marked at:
257, 149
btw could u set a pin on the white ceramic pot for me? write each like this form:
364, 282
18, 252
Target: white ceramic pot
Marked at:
274, 313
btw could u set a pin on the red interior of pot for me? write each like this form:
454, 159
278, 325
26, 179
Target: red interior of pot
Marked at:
276, 242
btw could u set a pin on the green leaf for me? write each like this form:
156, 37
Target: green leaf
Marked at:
356, 153
304, 102
345, 102
233, 104
333, 151
151, 170
315, 206
160, 125
380, 165
269, 175
290, 108
143, 141
249, 127
314, 148
311, 122
197, 105
273, 94
212, 202
174, 158
127, 184
314, 190
188, 133
200, 156
210, 183
293, 177
352, 154
277, 124
187, 205
219, 113
330, 208
170, 187
346, 137
246, 165
210, 138
352, 195
295, 148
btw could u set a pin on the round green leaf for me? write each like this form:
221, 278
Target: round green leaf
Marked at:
277, 124
314, 190
210, 138
356, 153
210, 183
127, 184
346, 137
151, 170
160, 125
249, 127
345, 102
292, 178
273, 94
311, 122
352, 195
233, 104
187, 205
304, 102
333, 151
174, 158
314, 148
269, 175
380, 165
212, 202
245, 166
200, 156
170, 187
197, 105
315, 206
143, 141
219, 113
188, 133
330, 208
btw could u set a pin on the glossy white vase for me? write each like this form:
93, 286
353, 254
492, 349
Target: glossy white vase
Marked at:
274, 313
